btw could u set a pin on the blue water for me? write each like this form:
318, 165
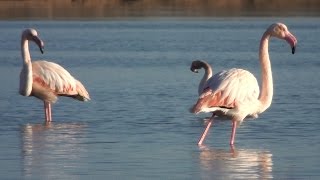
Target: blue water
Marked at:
137, 125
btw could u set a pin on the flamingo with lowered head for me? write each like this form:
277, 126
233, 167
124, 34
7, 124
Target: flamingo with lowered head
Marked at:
234, 93
46, 80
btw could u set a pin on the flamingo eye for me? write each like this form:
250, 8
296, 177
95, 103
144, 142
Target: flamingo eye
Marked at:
282, 28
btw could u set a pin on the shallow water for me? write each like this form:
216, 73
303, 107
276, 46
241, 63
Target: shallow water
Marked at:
137, 125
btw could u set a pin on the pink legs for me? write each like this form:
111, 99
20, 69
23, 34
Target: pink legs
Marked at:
233, 133
205, 132
47, 111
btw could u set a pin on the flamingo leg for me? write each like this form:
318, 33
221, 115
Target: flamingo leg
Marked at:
47, 112
205, 132
50, 117
233, 133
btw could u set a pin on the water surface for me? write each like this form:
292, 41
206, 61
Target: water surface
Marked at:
137, 125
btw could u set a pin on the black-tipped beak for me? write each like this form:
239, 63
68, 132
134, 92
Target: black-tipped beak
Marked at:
293, 49
292, 41
41, 50
194, 70
39, 42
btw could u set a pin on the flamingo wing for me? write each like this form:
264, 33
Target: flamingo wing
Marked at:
54, 77
228, 88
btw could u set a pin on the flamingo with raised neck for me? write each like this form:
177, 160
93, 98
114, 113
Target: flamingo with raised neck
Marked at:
46, 80
234, 93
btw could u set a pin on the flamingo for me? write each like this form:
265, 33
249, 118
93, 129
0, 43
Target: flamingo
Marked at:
234, 93
46, 80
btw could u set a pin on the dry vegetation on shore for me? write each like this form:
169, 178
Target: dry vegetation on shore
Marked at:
51, 9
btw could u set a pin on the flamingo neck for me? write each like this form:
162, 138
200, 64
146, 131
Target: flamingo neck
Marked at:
26, 72
266, 73
25, 50
207, 75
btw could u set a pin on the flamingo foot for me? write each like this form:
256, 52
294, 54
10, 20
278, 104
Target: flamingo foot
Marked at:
232, 148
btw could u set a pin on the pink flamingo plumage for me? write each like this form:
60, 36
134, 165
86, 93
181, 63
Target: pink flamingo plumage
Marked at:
234, 93
46, 80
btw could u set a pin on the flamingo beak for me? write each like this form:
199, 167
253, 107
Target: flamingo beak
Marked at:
293, 49
292, 41
40, 43
41, 50
194, 70
41, 47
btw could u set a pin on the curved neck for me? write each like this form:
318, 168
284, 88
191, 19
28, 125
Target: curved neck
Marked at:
25, 50
26, 72
207, 74
266, 73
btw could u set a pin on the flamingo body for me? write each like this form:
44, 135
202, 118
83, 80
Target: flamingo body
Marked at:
234, 93
46, 80
51, 80
228, 89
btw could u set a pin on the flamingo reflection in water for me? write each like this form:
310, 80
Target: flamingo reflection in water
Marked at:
235, 164
51, 150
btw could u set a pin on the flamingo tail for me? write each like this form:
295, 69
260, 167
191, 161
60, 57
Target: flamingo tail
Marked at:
83, 94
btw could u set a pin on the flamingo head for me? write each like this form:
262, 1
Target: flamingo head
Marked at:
196, 65
32, 35
281, 31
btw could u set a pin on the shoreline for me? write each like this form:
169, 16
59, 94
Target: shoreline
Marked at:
99, 9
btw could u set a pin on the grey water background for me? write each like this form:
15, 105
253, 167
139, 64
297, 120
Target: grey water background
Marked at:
137, 125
